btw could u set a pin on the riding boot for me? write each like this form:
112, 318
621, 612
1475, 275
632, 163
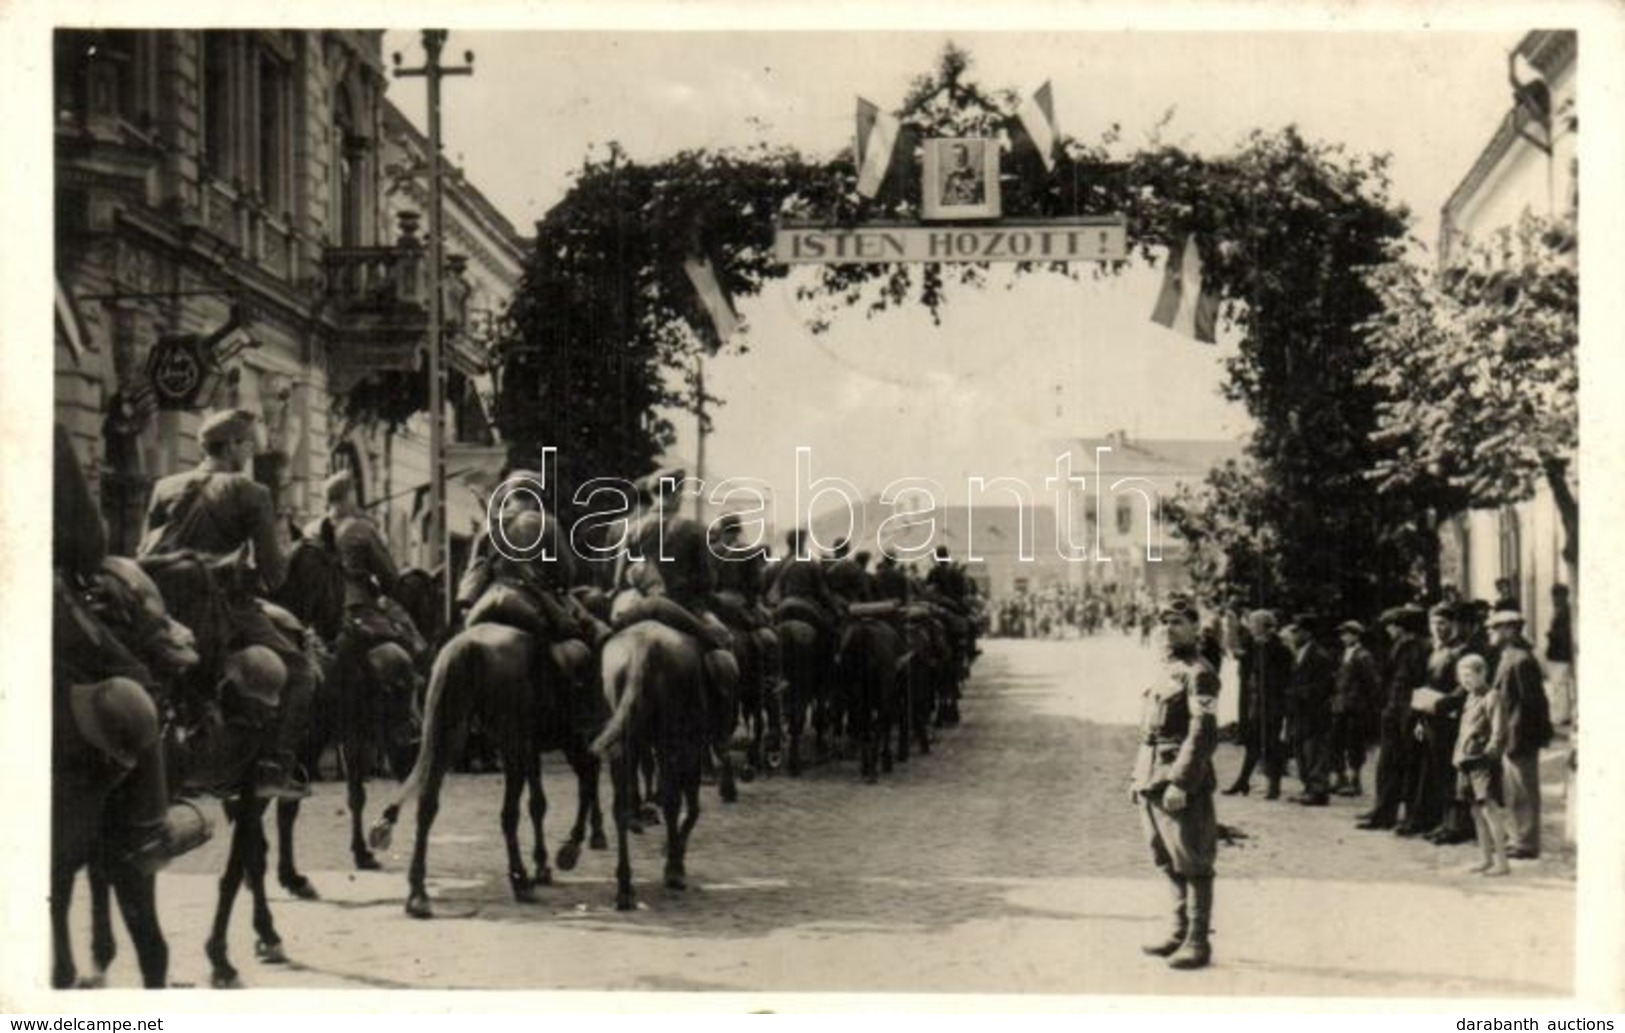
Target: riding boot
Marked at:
1175, 936
279, 776
1196, 952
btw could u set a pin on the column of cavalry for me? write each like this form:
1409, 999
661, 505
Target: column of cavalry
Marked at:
216, 663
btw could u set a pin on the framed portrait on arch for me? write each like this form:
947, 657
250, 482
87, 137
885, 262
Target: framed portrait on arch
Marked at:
961, 179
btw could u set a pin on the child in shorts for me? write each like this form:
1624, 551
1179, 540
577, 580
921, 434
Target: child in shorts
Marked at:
1477, 758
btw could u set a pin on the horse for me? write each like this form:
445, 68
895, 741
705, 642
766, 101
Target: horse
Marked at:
866, 663
87, 796
364, 720
486, 669
654, 684
187, 582
803, 652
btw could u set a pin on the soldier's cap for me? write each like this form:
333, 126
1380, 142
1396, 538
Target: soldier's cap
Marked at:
1450, 611
1179, 607
1409, 616
729, 522
1501, 618
337, 486
1352, 627
1264, 617
224, 426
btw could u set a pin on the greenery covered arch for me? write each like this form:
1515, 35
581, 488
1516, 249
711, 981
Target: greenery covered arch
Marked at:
1287, 229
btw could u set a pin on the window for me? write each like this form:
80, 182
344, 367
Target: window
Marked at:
347, 163
1125, 516
273, 134
216, 79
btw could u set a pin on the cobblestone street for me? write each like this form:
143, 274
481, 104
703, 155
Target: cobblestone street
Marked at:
1008, 860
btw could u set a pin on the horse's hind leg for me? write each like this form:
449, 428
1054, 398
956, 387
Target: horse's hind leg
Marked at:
417, 900
268, 945
688, 790
355, 770
63, 970
671, 801
138, 903
538, 814
287, 868
223, 975
623, 773
103, 948
513, 783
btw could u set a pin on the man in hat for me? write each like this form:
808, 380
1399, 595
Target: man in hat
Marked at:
1173, 783
1426, 813
1265, 668
219, 512
1560, 657
1529, 729
1396, 758
1309, 714
1354, 694
741, 573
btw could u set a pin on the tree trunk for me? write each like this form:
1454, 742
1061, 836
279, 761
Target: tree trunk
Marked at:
1430, 556
1568, 507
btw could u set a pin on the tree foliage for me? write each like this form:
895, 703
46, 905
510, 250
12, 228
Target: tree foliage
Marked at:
1478, 371
1286, 228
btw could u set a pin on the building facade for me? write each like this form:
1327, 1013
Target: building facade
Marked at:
1529, 165
1116, 512
215, 181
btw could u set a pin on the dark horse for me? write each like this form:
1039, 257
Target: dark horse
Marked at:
866, 665
369, 720
654, 686
804, 653
187, 582
87, 792
486, 669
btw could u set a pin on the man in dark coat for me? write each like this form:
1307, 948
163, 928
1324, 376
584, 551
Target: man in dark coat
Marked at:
1356, 691
1529, 730
1560, 657
1265, 667
1435, 732
1309, 714
1397, 759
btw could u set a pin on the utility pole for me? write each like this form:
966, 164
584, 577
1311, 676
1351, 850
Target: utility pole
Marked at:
699, 450
434, 40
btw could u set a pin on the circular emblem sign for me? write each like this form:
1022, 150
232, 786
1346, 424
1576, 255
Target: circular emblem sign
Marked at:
176, 371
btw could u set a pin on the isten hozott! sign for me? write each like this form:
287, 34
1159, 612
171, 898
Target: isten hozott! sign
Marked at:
1080, 239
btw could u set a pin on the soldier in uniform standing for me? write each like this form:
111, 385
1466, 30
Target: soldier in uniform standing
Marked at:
215, 511
1173, 784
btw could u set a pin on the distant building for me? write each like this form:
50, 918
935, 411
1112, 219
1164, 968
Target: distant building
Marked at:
1116, 513
1529, 165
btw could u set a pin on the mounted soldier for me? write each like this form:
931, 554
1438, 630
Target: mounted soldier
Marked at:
512, 584
222, 516
666, 574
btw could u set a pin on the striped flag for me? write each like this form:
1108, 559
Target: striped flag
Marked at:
877, 140
1185, 306
724, 321
1037, 116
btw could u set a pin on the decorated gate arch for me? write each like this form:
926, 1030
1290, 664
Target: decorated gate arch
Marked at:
1283, 227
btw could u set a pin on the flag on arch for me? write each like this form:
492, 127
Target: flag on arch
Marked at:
1037, 116
724, 320
1186, 305
877, 140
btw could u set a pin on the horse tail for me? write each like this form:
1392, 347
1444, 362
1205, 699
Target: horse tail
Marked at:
623, 684
448, 664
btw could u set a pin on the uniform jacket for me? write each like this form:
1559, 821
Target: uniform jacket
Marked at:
216, 513
1407, 672
369, 571
1179, 727
1310, 687
1483, 734
848, 580
1358, 687
1519, 682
